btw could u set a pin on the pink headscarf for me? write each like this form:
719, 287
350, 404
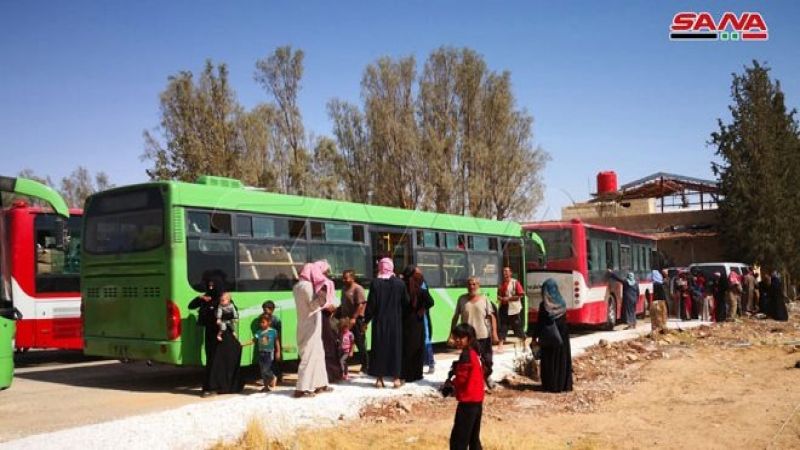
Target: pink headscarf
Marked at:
314, 273
385, 268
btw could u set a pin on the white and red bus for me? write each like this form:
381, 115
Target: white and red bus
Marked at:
578, 258
44, 273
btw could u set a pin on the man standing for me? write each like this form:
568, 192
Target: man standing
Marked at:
510, 295
354, 303
749, 292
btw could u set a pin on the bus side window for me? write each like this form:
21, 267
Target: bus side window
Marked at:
589, 255
609, 256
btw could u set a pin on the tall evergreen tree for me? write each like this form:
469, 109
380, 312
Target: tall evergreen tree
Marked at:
760, 153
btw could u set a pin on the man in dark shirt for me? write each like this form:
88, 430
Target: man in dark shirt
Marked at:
354, 303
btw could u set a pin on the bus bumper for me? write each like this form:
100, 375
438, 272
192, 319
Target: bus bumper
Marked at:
168, 352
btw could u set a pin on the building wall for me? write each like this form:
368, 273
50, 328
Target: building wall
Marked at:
660, 222
684, 237
585, 211
684, 250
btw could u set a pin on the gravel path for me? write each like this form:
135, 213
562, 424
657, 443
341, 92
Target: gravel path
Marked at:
203, 424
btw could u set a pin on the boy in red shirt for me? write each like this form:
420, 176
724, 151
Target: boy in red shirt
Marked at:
466, 380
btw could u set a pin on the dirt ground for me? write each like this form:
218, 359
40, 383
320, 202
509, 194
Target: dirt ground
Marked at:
732, 385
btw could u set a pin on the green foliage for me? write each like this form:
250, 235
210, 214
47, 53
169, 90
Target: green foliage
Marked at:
450, 139
760, 152
280, 75
198, 124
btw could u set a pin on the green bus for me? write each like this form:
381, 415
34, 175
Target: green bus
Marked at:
8, 314
147, 247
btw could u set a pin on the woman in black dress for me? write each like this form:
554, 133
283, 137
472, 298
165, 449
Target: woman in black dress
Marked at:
556, 360
419, 301
206, 305
224, 373
385, 302
777, 305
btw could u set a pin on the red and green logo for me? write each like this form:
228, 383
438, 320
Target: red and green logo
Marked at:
702, 26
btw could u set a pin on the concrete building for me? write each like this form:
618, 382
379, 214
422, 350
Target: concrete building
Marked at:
681, 212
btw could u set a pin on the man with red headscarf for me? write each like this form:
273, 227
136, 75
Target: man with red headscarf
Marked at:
312, 293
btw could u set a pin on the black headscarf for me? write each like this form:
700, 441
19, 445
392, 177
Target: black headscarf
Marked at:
218, 279
412, 284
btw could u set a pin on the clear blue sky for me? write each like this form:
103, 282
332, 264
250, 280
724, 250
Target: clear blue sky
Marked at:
80, 80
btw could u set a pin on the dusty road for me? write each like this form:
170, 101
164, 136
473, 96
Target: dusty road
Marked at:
55, 390
77, 390
722, 387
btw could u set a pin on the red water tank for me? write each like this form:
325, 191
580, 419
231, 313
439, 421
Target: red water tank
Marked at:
606, 182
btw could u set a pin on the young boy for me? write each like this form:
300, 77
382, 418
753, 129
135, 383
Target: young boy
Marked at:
346, 346
269, 310
268, 349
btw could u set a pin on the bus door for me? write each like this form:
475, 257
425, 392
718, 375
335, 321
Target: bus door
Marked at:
392, 243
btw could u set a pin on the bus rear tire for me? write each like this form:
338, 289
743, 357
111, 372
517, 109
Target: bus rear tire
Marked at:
611, 314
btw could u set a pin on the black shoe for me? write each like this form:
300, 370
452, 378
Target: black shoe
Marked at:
208, 394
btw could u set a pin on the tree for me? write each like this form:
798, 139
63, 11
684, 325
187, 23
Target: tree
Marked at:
457, 144
389, 109
506, 163
280, 75
438, 111
327, 165
80, 184
256, 134
353, 139
198, 127
760, 152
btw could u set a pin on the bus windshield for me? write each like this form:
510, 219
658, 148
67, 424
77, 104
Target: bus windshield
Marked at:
125, 222
558, 244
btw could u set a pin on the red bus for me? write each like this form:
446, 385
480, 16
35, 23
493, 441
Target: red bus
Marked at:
578, 258
44, 274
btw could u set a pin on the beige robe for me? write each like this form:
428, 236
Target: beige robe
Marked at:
311, 373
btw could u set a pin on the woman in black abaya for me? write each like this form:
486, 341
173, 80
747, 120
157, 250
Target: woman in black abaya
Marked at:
420, 301
206, 305
225, 378
556, 360
385, 303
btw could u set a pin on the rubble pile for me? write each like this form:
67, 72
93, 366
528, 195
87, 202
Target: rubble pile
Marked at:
602, 372
399, 409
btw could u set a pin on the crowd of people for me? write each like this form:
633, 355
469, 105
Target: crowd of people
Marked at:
721, 297
397, 313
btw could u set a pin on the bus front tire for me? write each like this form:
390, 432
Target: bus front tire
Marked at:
611, 313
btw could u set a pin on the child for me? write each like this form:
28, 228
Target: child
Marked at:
227, 315
268, 348
269, 310
346, 346
466, 380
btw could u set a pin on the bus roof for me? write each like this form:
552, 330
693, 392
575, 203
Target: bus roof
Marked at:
35, 189
229, 194
40, 209
557, 225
